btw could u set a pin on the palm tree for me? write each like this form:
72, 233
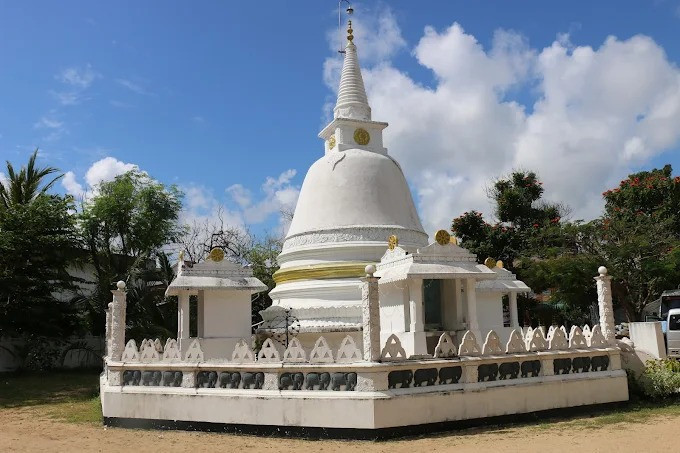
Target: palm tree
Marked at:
24, 186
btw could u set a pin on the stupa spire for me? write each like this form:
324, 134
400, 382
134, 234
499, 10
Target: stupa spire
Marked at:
352, 100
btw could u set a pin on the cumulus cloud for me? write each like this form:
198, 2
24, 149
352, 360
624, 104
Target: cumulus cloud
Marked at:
103, 170
279, 197
594, 114
106, 169
71, 185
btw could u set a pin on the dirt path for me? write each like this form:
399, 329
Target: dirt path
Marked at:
27, 430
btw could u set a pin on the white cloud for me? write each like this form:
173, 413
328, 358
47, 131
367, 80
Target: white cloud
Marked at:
79, 77
68, 97
599, 112
103, 170
280, 197
106, 169
49, 123
72, 186
132, 86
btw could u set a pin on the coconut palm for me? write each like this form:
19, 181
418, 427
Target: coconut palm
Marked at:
24, 186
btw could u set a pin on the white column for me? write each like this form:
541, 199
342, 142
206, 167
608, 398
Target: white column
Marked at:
200, 312
604, 301
415, 289
117, 317
471, 293
183, 319
370, 310
514, 320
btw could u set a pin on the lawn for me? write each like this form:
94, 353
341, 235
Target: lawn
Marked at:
64, 395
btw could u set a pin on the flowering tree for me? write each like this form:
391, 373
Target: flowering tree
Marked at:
637, 238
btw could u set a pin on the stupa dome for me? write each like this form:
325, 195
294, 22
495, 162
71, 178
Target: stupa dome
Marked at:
363, 189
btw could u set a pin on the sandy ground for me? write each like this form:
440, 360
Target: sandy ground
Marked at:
24, 429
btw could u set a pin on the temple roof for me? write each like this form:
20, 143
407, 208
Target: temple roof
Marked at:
505, 282
210, 274
435, 261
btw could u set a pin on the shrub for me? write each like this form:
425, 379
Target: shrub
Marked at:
660, 379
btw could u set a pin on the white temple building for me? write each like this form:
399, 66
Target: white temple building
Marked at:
396, 335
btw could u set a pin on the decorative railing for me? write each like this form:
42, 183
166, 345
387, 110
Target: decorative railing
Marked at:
525, 356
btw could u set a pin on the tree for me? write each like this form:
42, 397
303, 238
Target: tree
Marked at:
38, 242
521, 217
637, 238
23, 187
125, 228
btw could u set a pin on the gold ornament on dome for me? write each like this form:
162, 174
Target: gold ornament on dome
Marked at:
499, 264
490, 263
454, 240
216, 255
331, 142
361, 136
392, 242
442, 237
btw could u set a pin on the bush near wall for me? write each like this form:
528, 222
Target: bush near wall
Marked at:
660, 379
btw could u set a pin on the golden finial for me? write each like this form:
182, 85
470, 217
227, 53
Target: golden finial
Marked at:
350, 37
454, 240
499, 264
392, 241
490, 263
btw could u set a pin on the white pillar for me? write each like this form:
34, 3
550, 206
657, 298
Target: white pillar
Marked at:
471, 297
604, 301
370, 311
183, 319
415, 289
118, 306
514, 320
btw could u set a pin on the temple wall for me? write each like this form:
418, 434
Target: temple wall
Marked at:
368, 410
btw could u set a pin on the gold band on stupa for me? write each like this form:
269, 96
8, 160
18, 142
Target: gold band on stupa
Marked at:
321, 271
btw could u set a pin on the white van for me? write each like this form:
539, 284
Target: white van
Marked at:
673, 333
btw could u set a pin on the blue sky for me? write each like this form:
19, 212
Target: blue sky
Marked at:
225, 98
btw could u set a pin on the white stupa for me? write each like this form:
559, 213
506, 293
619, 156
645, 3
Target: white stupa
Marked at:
352, 200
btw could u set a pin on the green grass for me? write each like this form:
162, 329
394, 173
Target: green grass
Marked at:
63, 395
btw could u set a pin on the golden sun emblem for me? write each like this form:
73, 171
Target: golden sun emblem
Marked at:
216, 255
331, 142
392, 241
361, 136
442, 237
490, 263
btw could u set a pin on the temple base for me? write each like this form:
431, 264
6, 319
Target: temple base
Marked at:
354, 414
